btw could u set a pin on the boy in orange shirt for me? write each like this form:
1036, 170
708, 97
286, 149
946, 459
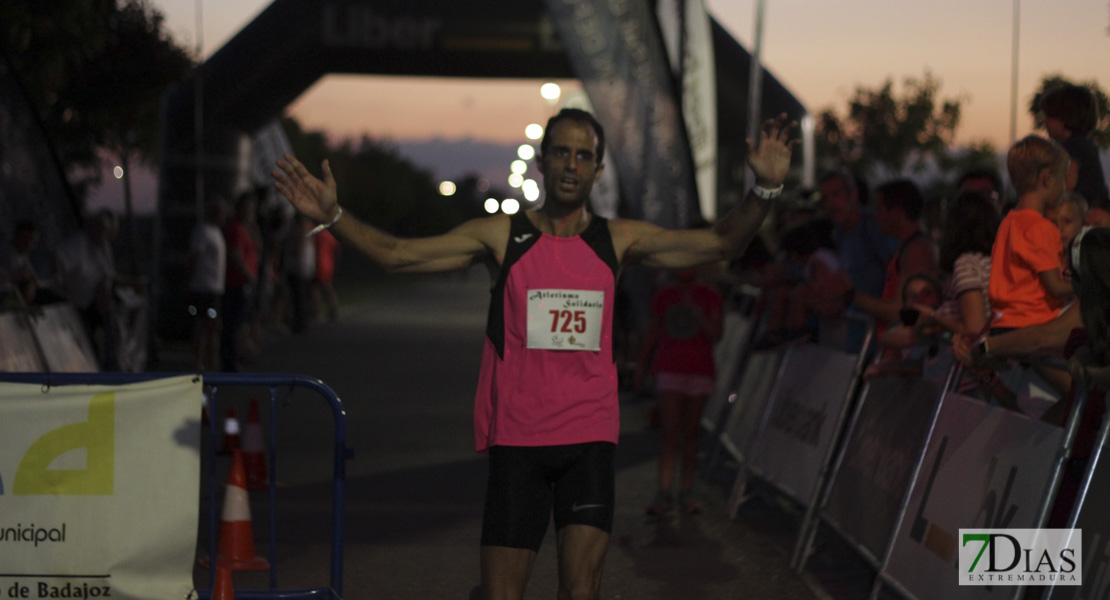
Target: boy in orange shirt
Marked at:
1025, 285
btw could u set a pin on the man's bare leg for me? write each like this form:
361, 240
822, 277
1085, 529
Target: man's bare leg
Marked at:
581, 558
505, 572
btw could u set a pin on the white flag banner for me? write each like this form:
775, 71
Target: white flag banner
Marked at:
99, 489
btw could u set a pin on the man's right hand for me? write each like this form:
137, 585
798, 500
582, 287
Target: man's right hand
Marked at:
314, 198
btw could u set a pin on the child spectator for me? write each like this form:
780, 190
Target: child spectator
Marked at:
904, 341
686, 323
1025, 285
1070, 214
1070, 115
965, 259
323, 290
792, 310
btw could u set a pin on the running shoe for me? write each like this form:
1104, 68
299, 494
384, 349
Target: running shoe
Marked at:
662, 504
691, 505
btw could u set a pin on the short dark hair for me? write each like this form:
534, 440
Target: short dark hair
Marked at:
580, 116
903, 195
981, 173
25, 226
1092, 286
1072, 104
928, 278
807, 237
970, 226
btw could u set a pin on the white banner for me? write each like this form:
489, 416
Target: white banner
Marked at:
755, 382
99, 489
806, 407
985, 468
728, 353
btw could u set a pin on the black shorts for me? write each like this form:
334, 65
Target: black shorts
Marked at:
528, 484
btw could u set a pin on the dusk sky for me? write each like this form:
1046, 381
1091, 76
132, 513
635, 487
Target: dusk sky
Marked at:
821, 51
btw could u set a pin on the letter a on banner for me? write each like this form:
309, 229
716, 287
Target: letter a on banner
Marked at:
96, 436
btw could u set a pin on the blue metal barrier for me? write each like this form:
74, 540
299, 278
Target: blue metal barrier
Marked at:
214, 381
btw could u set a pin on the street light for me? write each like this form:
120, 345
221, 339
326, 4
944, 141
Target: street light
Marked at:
550, 91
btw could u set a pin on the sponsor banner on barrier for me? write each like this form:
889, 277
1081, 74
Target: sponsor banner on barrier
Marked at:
755, 382
64, 341
18, 353
1094, 522
1022, 557
985, 467
99, 489
727, 355
877, 466
806, 406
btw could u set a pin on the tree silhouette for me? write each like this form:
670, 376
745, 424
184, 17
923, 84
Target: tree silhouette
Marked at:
887, 130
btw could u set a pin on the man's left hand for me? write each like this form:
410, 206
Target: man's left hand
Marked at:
770, 159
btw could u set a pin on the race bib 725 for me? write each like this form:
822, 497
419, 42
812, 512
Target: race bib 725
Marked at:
565, 319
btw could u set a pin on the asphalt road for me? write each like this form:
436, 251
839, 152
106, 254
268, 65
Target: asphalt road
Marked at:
404, 361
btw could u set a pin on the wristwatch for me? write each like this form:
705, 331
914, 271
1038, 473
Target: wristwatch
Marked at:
767, 193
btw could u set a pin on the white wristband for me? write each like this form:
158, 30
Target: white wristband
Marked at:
323, 226
767, 193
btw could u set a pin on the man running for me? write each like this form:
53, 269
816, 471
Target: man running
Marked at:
546, 410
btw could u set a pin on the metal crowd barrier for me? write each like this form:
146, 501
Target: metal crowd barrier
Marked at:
901, 445
792, 442
333, 590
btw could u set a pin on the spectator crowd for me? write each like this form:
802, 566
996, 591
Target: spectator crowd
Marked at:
993, 274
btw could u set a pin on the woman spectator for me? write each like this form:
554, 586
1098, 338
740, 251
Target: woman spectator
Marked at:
965, 260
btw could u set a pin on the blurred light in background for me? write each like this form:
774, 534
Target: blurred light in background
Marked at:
534, 131
531, 190
518, 166
491, 205
447, 188
516, 180
510, 206
118, 172
550, 91
526, 152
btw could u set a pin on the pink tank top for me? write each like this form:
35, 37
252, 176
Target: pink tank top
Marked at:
548, 376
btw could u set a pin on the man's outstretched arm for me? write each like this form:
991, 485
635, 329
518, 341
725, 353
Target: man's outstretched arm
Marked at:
317, 199
654, 246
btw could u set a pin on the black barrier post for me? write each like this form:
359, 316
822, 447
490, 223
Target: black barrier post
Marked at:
838, 440
814, 523
1089, 472
877, 585
1063, 451
1062, 455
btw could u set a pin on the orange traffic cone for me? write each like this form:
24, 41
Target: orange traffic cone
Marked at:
236, 546
231, 432
254, 450
223, 590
